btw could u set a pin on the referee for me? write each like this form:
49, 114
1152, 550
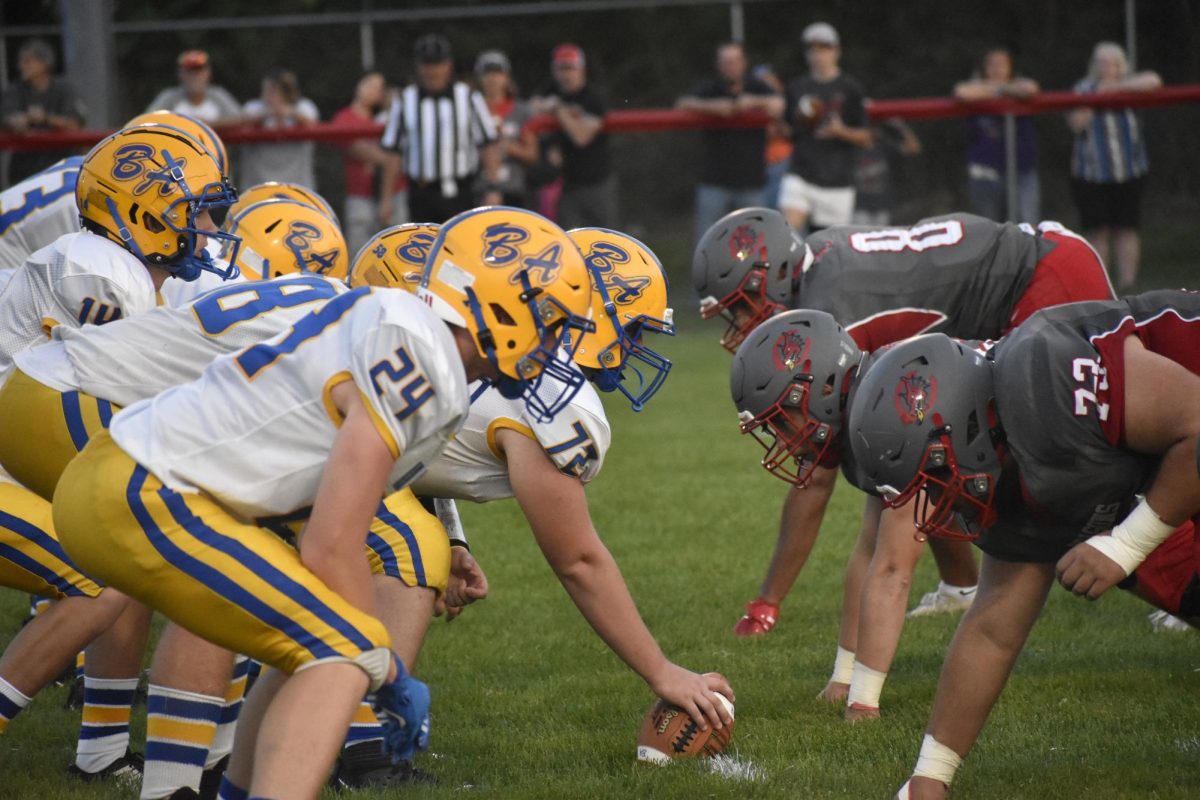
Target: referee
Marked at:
445, 135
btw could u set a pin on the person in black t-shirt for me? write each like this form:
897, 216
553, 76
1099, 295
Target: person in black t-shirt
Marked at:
827, 114
38, 103
732, 168
589, 195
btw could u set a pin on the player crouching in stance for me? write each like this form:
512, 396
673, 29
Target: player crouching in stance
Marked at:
791, 380
147, 197
1042, 450
358, 396
505, 451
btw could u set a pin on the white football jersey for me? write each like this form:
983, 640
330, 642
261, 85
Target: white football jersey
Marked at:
135, 358
472, 467
255, 430
38, 210
80, 278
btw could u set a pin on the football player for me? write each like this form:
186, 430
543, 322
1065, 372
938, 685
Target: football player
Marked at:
41, 208
146, 196
359, 395
959, 273
503, 451
114, 363
1069, 450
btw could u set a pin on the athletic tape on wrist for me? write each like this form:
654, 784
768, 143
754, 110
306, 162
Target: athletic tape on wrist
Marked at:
1134, 538
936, 761
843, 666
866, 685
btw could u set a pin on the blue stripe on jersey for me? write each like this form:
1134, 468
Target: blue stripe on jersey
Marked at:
393, 522
74, 417
212, 578
44, 541
176, 753
104, 408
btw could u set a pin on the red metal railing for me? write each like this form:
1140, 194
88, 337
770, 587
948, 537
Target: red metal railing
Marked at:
657, 119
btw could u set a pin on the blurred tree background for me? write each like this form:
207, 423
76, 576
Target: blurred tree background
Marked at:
645, 57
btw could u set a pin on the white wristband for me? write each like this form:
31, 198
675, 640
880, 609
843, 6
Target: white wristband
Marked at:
843, 666
1134, 538
936, 761
865, 686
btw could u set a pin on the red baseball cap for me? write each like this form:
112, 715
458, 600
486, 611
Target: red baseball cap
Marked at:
567, 54
193, 59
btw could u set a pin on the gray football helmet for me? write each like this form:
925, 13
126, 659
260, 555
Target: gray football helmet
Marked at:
922, 421
790, 381
746, 268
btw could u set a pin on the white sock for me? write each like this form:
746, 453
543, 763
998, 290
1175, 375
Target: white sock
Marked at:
12, 700
179, 730
104, 728
957, 592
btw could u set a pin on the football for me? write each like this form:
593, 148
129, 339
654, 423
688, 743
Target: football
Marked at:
668, 732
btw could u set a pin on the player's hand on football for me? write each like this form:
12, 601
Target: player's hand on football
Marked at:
1087, 572
467, 583
693, 692
834, 692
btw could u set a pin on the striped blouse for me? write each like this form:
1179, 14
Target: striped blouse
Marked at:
1111, 148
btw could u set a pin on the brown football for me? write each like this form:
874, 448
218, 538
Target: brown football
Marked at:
668, 732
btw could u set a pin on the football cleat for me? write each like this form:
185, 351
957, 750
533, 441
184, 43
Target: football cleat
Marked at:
365, 765
760, 618
944, 600
126, 770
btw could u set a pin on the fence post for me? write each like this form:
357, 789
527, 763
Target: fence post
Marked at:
1010, 166
366, 44
737, 22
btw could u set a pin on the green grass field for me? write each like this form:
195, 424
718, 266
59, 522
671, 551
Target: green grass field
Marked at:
528, 703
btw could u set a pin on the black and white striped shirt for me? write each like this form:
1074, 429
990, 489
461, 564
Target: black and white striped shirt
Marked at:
439, 134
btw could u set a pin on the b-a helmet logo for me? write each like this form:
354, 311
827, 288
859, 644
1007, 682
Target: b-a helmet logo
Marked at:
500, 244
790, 350
301, 239
744, 242
602, 258
415, 250
915, 395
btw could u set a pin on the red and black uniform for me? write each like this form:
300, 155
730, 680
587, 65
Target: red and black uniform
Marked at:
1060, 398
958, 274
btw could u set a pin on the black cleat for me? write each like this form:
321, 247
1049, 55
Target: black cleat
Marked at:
210, 781
365, 765
126, 770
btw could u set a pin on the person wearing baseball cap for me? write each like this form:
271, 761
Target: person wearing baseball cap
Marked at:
518, 144
827, 113
196, 96
446, 139
589, 194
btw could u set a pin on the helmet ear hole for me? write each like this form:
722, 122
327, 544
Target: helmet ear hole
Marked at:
503, 317
151, 223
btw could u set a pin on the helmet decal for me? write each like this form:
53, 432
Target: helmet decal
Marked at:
130, 163
744, 240
603, 258
415, 250
915, 395
300, 238
500, 244
790, 350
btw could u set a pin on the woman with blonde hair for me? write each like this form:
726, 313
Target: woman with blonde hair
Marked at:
1108, 162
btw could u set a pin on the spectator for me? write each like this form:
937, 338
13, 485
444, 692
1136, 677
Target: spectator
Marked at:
279, 106
39, 102
986, 154
196, 96
589, 190
518, 144
733, 167
1108, 162
875, 189
362, 163
778, 154
445, 133
829, 122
